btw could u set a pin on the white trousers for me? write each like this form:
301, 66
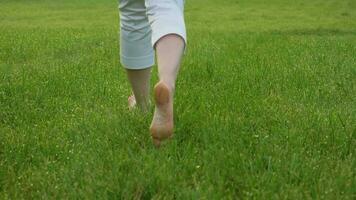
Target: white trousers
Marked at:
142, 24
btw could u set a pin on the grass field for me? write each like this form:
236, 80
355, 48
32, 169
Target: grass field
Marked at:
265, 105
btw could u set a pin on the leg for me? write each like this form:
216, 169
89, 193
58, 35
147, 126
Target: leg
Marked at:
166, 19
137, 54
140, 83
169, 50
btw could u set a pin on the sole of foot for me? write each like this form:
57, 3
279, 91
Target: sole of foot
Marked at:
162, 123
131, 100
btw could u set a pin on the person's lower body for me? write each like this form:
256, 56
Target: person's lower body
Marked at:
147, 26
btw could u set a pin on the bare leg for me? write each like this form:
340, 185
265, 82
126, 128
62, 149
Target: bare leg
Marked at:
140, 83
169, 51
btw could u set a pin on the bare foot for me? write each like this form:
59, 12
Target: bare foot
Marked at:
131, 102
162, 123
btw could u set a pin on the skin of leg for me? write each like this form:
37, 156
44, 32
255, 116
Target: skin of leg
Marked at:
169, 50
136, 51
140, 83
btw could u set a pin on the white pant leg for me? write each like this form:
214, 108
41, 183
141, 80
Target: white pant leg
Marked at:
136, 51
142, 24
166, 17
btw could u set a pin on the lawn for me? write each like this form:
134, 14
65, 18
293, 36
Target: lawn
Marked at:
265, 104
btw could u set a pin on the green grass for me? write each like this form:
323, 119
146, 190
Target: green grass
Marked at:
265, 105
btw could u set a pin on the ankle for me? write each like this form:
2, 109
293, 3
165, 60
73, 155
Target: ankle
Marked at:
142, 102
170, 85
144, 107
